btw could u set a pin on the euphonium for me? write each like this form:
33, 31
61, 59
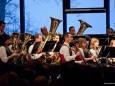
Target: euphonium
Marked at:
53, 27
83, 27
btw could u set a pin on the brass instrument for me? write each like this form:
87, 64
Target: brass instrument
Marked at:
83, 27
27, 37
54, 24
15, 48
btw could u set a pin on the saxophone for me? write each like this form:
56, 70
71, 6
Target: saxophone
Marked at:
83, 27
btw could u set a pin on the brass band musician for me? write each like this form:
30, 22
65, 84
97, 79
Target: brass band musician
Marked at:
5, 53
36, 53
95, 48
85, 51
65, 50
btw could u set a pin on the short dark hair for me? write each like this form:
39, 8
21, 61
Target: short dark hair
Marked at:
2, 22
71, 27
66, 35
3, 39
110, 29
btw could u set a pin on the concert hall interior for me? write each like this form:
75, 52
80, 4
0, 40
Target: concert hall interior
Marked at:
57, 42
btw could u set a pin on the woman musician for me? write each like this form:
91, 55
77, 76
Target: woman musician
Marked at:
83, 47
95, 48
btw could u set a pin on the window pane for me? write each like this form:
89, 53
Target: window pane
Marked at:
86, 3
96, 20
112, 14
12, 17
39, 12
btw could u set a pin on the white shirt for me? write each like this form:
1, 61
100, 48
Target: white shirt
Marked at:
94, 53
65, 51
3, 55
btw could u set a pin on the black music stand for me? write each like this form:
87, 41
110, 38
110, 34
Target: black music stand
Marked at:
105, 40
105, 53
35, 48
49, 46
57, 48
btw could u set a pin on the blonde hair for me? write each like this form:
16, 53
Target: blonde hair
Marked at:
92, 42
111, 43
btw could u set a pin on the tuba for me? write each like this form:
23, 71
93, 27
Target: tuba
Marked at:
83, 27
53, 27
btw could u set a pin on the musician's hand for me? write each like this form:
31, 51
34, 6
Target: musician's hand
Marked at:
14, 54
43, 53
93, 57
24, 53
78, 53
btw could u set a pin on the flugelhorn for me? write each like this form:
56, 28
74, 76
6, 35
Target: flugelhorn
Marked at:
83, 27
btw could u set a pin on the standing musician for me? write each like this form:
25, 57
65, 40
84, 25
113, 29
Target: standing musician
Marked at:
33, 50
2, 27
95, 48
65, 51
85, 51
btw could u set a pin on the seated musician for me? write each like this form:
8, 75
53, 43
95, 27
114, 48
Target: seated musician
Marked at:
5, 53
112, 43
33, 50
94, 48
85, 51
110, 32
75, 48
66, 50
55, 55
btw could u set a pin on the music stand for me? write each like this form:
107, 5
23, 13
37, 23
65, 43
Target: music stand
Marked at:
35, 48
105, 40
57, 48
112, 52
48, 46
105, 53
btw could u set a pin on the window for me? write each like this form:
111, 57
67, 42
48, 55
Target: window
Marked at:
96, 20
86, 3
112, 14
38, 13
12, 17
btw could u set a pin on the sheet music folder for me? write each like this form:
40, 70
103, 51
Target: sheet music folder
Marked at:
48, 46
108, 52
